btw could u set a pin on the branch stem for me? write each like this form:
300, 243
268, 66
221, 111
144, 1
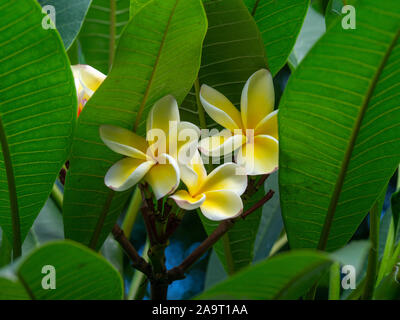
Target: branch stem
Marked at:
179, 271
137, 261
373, 253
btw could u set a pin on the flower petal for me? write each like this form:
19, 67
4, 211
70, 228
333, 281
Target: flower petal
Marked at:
225, 177
89, 77
260, 157
268, 125
163, 111
185, 201
164, 177
124, 141
258, 98
194, 173
125, 173
221, 144
188, 136
219, 108
221, 205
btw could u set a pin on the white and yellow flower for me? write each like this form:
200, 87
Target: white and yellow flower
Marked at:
217, 194
254, 130
154, 161
87, 81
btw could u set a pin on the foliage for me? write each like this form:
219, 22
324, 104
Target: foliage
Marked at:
281, 235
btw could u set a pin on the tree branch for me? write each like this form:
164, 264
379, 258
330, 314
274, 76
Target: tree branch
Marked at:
137, 261
178, 272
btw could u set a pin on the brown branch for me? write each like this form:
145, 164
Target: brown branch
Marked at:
258, 204
137, 261
262, 180
178, 272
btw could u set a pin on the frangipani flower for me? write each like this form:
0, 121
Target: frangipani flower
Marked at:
155, 162
217, 194
87, 81
254, 130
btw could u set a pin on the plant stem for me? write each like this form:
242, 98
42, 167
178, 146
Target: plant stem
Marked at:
12, 193
57, 196
132, 212
202, 117
139, 280
385, 267
137, 261
159, 283
373, 253
179, 271
334, 281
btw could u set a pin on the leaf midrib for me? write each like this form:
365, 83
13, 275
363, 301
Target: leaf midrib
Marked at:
300, 275
12, 192
350, 147
107, 205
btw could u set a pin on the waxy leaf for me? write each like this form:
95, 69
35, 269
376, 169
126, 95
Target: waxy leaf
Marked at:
232, 52
38, 112
338, 128
101, 30
77, 273
154, 58
69, 16
279, 23
285, 276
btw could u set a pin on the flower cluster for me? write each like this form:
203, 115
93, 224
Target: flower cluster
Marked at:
171, 151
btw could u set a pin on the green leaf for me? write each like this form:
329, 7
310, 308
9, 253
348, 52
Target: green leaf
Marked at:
101, 30
155, 57
69, 17
333, 12
232, 52
338, 128
12, 289
389, 288
279, 23
38, 111
285, 276
81, 274
5, 250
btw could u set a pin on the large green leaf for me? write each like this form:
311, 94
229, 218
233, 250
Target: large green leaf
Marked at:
69, 17
12, 289
38, 112
279, 23
155, 57
338, 128
286, 276
101, 30
80, 274
232, 51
